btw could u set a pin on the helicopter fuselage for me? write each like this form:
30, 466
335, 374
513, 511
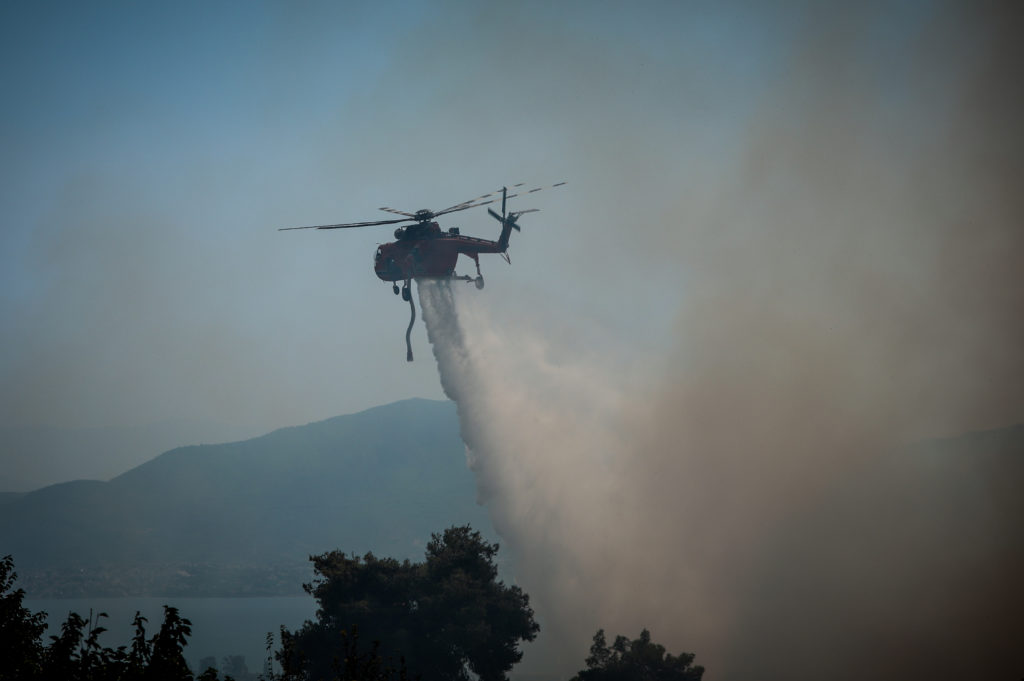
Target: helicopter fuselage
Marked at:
423, 250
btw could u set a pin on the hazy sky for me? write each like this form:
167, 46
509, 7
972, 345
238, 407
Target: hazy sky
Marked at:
151, 151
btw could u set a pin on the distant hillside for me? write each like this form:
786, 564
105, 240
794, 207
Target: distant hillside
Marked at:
38, 456
199, 519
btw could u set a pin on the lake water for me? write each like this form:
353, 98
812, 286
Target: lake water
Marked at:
220, 626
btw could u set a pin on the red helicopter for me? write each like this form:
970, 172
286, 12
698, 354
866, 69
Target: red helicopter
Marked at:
423, 250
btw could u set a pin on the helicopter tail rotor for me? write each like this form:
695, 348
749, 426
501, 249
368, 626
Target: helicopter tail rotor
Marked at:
510, 219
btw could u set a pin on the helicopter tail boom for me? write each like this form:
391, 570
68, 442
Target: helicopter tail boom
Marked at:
507, 226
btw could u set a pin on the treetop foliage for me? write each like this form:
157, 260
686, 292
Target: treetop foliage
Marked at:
636, 660
442, 618
20, 630
75, 654
446, 618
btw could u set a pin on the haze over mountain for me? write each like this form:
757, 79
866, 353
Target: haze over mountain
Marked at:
379, 480
38, 456
242, 517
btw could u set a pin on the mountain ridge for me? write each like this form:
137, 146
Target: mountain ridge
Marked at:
39, 456
382, 479
241, 518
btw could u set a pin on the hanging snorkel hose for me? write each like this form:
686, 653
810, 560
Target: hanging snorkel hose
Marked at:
408, 331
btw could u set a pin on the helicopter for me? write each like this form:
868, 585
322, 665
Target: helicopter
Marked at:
423, 250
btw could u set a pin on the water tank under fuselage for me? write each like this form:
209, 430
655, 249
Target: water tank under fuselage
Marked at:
430, 255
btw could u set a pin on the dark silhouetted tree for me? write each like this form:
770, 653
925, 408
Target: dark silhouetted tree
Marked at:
442, 619
167, 652
75, 654
636, 660
20, 630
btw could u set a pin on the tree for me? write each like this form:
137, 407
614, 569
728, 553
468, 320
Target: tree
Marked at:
75, 654
20, 630
636, 660
440, 619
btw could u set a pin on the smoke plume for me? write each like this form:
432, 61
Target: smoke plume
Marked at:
853, 287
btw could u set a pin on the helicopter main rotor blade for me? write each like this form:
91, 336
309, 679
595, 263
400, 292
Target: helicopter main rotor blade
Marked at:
536, 189
397, 212
430, 215
466, 206
473, 202
349, 224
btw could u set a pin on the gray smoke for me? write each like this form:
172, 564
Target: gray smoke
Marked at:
851, 285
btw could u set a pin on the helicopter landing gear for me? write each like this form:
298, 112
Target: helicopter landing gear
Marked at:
479, 277
394, 287
406, 292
